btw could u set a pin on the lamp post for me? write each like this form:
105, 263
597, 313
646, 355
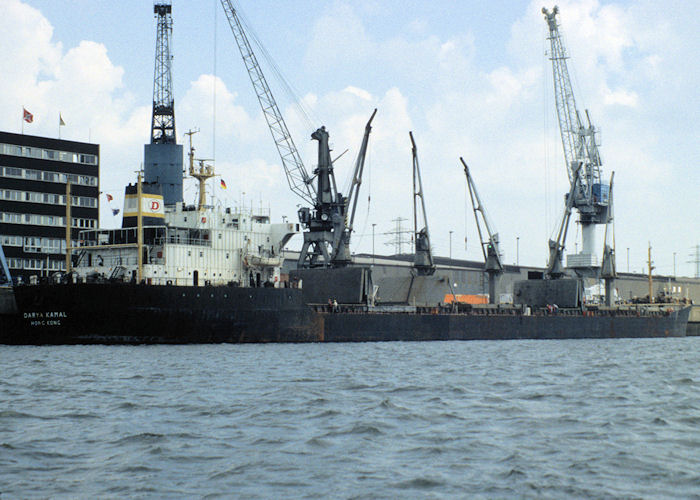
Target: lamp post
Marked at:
674, 264
628, 259
517, 250
451, 244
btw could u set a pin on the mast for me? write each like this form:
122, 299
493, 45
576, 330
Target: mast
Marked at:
163, 156
202, 173
68, 228
651, 283
139, 227
163, 121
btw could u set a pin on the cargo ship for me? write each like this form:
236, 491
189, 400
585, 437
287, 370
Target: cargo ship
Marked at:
177, 273
111, 312
200, 274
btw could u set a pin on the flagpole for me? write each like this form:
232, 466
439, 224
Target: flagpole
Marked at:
59, 125
22, 119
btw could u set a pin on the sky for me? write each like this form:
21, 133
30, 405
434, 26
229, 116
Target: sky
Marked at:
470, 79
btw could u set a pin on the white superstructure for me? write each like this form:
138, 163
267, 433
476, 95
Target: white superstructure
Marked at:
212, 246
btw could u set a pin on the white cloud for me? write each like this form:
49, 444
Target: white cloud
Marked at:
620, 97
362, 94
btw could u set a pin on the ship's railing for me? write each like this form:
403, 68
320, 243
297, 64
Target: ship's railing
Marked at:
121, 236
152, 236
496, 310
173, 239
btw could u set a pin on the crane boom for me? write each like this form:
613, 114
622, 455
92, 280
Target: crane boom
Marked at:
578, 140
357, 173
297, 177
423, 259
489, 247
342, 229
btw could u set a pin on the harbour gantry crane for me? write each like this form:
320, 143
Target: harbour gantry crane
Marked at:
588, 194
423, 259
489, 247
327, 222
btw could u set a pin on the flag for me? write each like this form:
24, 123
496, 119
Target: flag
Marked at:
28, 117
109, 197
61, 123
115, 211
223, 184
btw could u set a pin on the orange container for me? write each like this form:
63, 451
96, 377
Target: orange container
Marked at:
466, 299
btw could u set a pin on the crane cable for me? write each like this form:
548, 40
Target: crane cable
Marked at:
304, 113
369, 194
213, 125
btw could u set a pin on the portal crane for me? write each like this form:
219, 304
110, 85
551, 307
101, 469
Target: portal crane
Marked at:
327, 238
583, 164
423, 260
489, 247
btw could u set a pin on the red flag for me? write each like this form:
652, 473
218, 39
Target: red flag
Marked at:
28, 117
223, 184
109, 197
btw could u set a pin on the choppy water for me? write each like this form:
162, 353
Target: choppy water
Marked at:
539, 419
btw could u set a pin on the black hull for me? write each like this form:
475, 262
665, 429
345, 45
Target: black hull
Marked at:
141, 314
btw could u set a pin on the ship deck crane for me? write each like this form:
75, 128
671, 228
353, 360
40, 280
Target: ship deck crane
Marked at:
328, 227
588, 194
423, 260
489, 247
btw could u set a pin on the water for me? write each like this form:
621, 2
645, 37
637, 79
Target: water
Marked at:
528, 419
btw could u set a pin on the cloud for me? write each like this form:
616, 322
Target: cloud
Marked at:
207, 93
29, 55
621, 97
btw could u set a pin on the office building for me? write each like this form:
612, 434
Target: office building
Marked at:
34, 172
